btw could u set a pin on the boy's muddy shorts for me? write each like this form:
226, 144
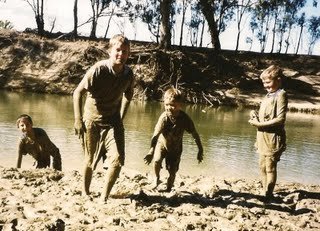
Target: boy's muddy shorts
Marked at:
269, 161
103, 142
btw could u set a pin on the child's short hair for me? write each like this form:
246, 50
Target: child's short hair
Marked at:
173, 94
118, 38
272, 73
24, 116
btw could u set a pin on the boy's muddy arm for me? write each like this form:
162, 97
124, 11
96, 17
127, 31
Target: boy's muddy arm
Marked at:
19, 159
124, 107
148, 158
77, 107
199, 144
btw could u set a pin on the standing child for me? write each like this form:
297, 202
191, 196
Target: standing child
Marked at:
166, 142
108, 85
270, 123
35, 141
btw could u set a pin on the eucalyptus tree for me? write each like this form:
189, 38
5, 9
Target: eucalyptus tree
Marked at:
314, 32
293, 8
148, 11
37, 7
242, 8
196, 25
207, 9
182, 7
218, 14
301, 23
97, 7
165, 25
225, 12
260, 22
277, 10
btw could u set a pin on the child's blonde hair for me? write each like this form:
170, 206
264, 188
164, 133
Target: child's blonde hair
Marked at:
118, 38
24, 116
272, 72
173, 94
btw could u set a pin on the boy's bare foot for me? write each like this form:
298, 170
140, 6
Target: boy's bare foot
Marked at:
102, 201
88, 197
167, 190
156, 183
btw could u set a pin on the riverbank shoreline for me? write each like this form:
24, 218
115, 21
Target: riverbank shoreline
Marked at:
196, 203
31, 63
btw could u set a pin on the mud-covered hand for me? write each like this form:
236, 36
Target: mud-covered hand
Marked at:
254, 115
79, 127
254, 118
148, 158
200, 156
254, 122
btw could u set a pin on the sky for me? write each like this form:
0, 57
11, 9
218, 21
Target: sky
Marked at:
20, 14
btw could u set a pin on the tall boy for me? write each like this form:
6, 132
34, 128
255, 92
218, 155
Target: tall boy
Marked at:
166, 142
109, 88
270, 122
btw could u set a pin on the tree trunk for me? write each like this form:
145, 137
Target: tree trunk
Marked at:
39, 18
202, 32
274, 32
165, 32
299, 40
238, 35
287, 40
208, 13
94, 19
108, 24
184, 7
75, 18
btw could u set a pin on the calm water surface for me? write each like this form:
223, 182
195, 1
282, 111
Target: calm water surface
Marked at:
227, 138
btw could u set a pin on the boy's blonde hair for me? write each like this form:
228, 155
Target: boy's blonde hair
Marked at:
118, 38
24, 116
173, 94
272, 72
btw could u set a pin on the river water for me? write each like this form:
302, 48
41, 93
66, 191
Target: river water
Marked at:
227, 138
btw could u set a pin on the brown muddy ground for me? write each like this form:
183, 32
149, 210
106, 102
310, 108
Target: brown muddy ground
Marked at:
50, 200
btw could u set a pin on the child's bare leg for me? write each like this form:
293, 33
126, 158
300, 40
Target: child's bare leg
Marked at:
111, 177
170, 181
87, 176
263, 173
271, 168
156, 168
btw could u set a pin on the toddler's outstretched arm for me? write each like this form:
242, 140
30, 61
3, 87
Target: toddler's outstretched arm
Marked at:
148, 158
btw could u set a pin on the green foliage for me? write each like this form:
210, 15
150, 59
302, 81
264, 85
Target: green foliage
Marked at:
314, 31
149, 12
6, 24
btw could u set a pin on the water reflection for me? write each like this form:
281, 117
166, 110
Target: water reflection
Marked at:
227, 138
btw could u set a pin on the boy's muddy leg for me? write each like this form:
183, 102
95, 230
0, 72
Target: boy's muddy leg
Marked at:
111, 177
156, 168
87, 177
271, 169
171, 178
263, 173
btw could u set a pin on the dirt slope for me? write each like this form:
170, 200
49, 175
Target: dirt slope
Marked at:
31, 63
